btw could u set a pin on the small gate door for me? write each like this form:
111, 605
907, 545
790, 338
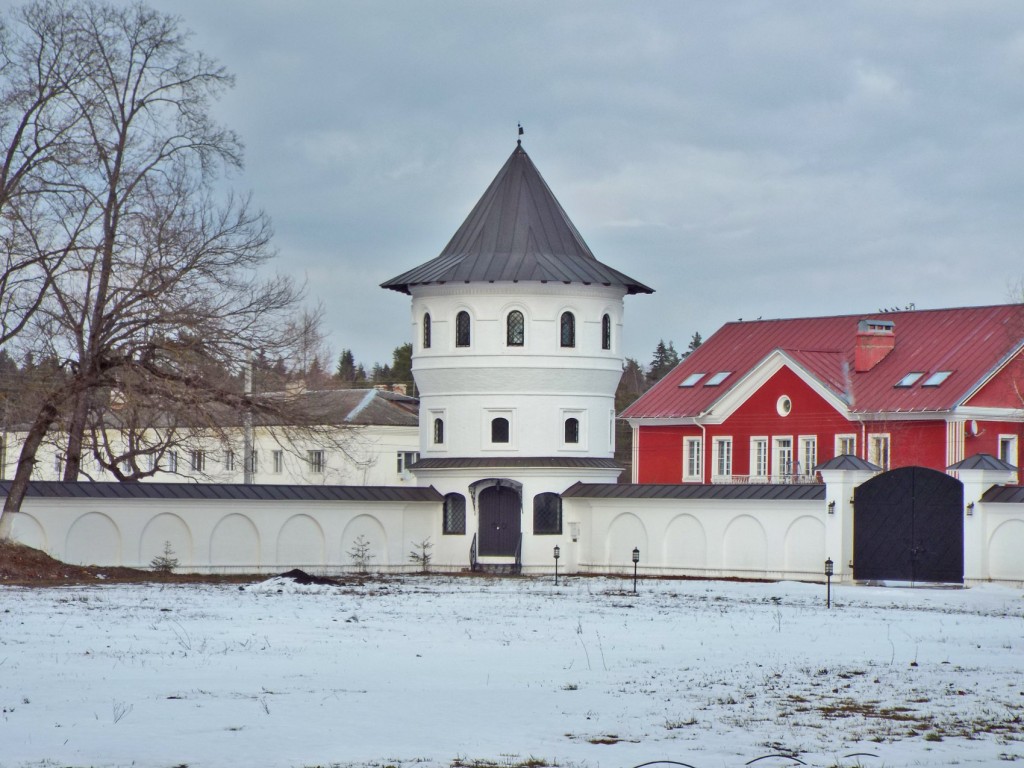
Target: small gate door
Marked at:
908, 526
500, 521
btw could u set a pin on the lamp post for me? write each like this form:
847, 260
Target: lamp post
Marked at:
558, 554
636, 559
828, 582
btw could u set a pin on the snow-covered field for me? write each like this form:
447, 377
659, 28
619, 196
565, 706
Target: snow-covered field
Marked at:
431, 671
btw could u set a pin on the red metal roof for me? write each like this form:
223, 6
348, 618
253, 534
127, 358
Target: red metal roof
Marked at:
971, 342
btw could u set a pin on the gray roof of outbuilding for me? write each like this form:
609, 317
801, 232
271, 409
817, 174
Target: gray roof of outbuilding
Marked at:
517, 232
848, 461
806, 492
1004, 494
372, 493
983, 461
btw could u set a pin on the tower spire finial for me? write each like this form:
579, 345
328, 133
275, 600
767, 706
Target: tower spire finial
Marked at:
519, 142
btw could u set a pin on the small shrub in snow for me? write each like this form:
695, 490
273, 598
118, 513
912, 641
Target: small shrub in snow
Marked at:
421, 554
165, 563
360, 554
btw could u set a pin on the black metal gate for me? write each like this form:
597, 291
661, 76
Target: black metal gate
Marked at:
500, 521
908, 526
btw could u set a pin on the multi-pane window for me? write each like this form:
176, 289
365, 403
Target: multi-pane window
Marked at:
278, 462
723, 456
783, 456
172, 461
438, 431
462, 336
254, 462
572, 430
878, 450
197, 460
808, 455
229, 461
547, 513
426, 330
515, 329
759, 456
568, 330
693, 459
454, 514
846, 445
606, 332
405, 459
316, 462
499, 430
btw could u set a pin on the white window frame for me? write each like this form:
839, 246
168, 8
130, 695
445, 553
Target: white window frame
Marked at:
490, 414
229, 461
808, 458
405, 458
759, 446
172, 461
693, 460
849, 437
580, 415
278, 458
316, 459
1013, 453
778, 451
875, 442
721, 457
442, 414
197, 460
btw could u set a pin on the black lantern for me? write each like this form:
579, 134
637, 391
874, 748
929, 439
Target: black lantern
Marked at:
636, 559
558, 554
829, 567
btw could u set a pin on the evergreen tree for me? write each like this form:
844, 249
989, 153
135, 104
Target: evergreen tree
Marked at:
695, 341
665, 359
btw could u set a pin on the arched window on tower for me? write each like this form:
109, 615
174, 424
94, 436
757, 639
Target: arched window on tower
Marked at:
499, 430
454, 514
547, 513
606, 332
568, 335
515, 329
462, 329
426, 330
572, 430
438, 431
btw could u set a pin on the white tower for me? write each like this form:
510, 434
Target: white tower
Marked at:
516, 355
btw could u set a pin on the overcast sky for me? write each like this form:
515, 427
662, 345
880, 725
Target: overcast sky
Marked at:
745, 159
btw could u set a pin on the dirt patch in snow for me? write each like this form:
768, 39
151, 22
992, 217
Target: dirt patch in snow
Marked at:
25, 566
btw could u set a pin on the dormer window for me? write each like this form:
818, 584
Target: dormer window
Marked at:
936, 378
717, 379
692, 379
910, 379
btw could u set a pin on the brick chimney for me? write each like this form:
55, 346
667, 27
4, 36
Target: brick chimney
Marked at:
875, 340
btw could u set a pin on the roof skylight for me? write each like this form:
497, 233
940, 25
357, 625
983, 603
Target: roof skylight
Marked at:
910, 379
936, 378
692, 379
717, 379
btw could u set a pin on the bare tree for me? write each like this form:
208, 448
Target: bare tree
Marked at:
157, 298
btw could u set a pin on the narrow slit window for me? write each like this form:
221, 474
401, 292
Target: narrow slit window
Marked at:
568, 335
606, 332
462, 329
438, 431
426, 330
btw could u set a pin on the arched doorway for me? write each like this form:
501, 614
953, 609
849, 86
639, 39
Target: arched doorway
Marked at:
908, 526
500, 521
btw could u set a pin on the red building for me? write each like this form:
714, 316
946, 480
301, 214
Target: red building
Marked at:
766, 401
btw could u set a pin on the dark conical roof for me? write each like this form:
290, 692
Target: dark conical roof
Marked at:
517, 232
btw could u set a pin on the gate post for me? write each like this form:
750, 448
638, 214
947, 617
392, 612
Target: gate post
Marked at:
978, 474
840, 484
